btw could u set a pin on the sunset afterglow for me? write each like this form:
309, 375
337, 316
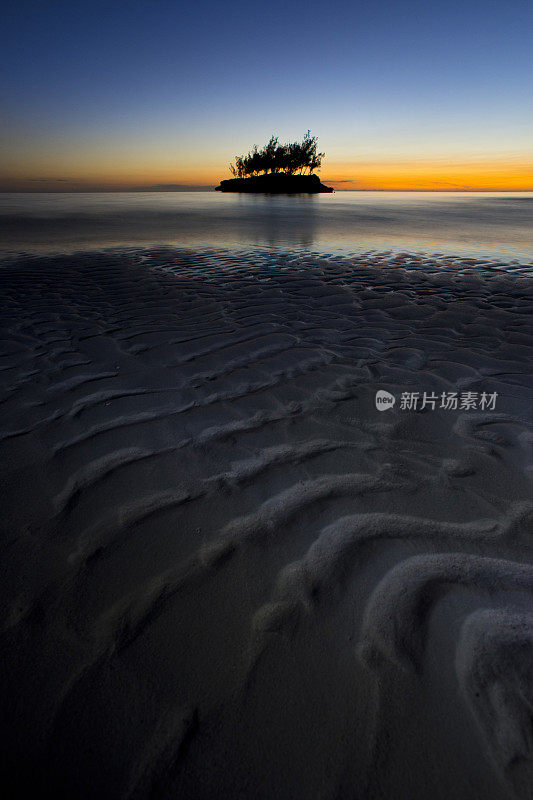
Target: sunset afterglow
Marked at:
398, 95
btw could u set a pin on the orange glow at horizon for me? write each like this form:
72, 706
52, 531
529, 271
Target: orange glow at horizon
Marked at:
504, 173
497, 173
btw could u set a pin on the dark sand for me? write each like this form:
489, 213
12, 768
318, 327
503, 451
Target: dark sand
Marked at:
225, 574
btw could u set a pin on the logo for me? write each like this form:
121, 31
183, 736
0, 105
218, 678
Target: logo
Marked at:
384, 400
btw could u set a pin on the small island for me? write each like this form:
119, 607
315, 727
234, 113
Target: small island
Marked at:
278, 169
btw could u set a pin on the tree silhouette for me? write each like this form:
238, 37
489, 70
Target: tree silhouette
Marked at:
285, 158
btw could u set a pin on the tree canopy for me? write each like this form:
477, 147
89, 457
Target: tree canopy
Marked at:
292, 158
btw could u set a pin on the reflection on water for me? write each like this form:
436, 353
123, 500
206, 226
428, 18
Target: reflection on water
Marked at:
497, 225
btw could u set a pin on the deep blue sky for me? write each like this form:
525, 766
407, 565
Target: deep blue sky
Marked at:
100, 86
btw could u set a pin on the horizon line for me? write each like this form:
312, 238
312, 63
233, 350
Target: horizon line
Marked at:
209, 188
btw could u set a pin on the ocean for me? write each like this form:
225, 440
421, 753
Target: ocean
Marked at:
493, 226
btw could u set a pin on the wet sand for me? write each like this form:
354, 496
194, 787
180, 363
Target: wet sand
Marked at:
225, 573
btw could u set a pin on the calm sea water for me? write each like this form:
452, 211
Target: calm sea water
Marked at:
495, 225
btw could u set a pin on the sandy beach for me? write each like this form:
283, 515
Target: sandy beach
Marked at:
225, 572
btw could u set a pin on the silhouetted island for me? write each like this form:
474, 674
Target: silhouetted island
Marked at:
275, 183
278, 169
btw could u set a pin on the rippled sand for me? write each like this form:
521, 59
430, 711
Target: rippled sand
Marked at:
225, 574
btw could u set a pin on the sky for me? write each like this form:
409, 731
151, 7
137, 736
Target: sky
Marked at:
405, 94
